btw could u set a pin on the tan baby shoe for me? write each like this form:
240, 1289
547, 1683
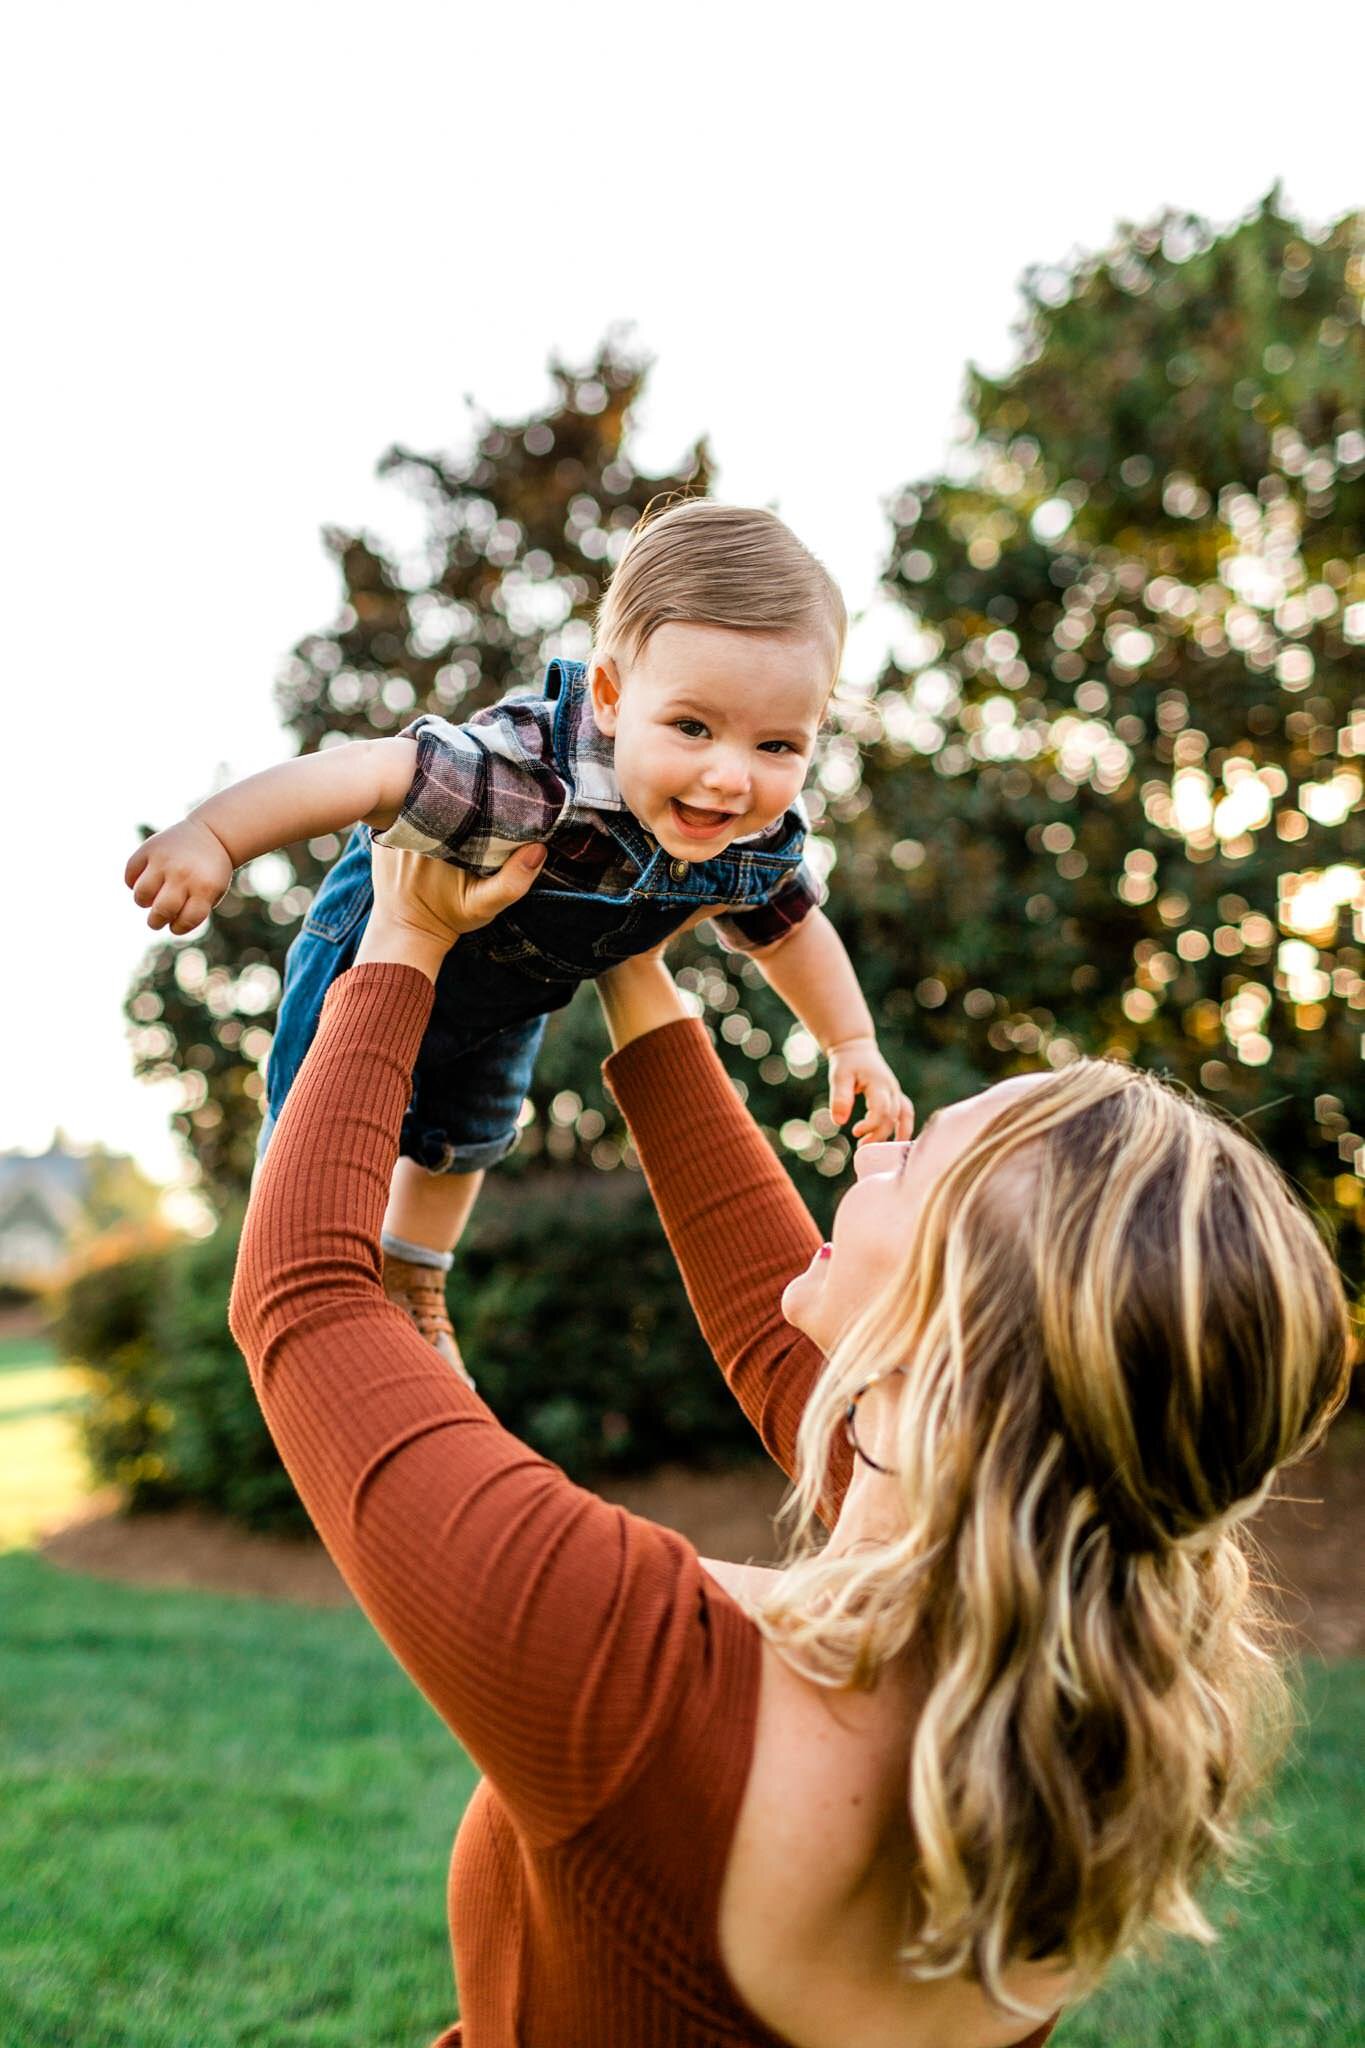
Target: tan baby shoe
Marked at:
420, 1291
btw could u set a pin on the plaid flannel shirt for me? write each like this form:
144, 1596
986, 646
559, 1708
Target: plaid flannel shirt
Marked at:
494, 783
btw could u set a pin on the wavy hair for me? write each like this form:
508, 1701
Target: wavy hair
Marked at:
1115, 1322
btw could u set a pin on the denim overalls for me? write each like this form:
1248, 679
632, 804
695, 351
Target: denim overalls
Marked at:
497, 985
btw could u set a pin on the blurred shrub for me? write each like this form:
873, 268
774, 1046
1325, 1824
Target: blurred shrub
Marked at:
574, 1321
172, 1419
105, 1323
1108, 796
600, 1373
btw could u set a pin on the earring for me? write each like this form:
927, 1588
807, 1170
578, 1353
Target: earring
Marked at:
850, 1419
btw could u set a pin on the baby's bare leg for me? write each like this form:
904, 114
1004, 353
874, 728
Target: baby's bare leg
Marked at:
422, 1226
429, 1209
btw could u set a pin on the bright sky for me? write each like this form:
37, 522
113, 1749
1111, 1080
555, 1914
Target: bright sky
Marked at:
253, 246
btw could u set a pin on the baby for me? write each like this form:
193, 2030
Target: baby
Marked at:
663, 777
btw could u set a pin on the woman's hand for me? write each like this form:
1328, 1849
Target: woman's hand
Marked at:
422, 905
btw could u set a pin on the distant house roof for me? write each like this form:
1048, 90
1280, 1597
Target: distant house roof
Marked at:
42, 1206
58, 1167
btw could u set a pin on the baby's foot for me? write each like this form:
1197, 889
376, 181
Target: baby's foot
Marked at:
420, 1291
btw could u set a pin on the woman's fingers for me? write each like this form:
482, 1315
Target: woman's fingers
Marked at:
441, 900
478, 899
492, 893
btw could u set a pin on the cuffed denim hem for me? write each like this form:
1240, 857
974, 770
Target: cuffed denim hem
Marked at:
472, 1158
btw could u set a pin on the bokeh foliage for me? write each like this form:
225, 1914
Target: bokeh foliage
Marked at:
1108, 799
1107, 795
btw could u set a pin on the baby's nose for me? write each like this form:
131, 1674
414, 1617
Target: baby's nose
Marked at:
727, 772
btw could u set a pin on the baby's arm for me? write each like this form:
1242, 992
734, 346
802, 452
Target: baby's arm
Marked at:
178, 875
809, 968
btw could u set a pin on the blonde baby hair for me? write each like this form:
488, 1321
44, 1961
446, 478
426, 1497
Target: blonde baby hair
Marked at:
698, 563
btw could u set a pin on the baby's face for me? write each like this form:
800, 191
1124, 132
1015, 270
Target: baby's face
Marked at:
713, 730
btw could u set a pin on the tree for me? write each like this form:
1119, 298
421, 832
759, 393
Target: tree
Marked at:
1108, 797
521, 531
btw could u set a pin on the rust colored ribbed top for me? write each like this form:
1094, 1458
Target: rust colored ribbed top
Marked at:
601, 1680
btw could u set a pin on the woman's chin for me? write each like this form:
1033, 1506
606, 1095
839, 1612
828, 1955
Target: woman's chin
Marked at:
798, 1298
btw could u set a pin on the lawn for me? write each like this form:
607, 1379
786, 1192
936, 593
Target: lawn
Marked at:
21, 1354
43, 1472
227, 1822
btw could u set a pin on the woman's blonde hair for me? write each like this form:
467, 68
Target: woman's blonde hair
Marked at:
1115, 1322
698, 563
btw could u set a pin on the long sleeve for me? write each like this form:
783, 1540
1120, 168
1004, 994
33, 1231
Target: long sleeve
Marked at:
557, 1636
748, 931
737, 1227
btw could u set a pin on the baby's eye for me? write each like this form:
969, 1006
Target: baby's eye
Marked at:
691, 728
776, 747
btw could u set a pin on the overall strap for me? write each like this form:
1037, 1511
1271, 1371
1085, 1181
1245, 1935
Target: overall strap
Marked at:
564, 686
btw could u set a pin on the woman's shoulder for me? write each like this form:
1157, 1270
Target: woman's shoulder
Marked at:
822, 1869
743, 1582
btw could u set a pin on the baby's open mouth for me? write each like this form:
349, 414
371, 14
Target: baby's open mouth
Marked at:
697, 820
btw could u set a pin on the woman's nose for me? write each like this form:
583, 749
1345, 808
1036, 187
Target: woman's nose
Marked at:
883, 1158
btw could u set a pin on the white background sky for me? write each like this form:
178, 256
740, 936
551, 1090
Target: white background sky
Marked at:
250, 247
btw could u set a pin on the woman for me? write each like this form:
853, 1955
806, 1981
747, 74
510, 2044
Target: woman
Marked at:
919, 1788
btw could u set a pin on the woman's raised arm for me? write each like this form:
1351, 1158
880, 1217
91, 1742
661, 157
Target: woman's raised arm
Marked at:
737, 1226
553, 1633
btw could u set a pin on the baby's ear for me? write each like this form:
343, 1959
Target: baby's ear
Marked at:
604, 688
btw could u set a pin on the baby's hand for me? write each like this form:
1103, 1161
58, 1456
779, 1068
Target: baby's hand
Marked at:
857, 1068
178, 875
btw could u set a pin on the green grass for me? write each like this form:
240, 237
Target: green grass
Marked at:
44, 1474
228, 1821
225, 1821
20, 1354
1288, 1970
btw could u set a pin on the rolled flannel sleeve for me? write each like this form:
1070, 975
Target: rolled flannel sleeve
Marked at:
480, 790
749, 931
